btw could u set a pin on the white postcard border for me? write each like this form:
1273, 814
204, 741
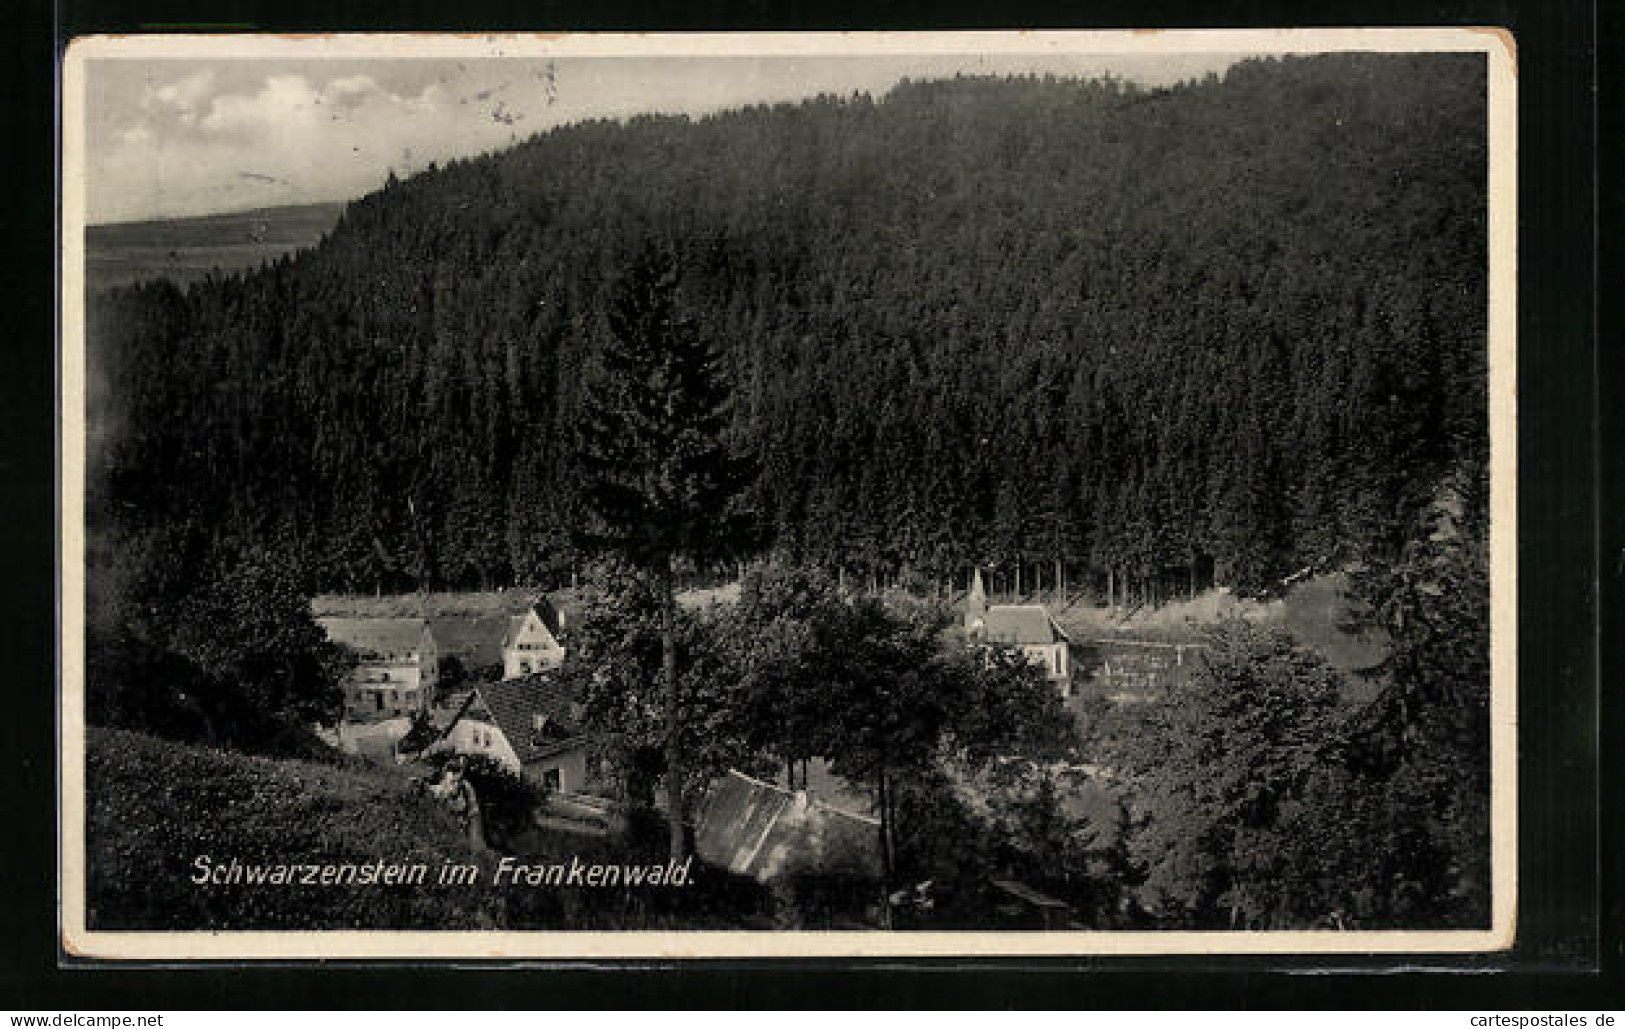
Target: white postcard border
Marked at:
77, 941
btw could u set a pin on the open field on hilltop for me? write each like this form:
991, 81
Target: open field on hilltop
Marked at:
185, 250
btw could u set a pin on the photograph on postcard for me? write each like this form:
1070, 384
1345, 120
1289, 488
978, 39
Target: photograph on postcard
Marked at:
798, 494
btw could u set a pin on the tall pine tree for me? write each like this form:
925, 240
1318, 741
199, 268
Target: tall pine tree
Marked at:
662, 484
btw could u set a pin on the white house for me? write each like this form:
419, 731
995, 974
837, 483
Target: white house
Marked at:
1027, 627
395, 671
532, 642
529, 726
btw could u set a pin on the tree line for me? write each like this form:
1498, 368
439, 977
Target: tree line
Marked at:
1085, 331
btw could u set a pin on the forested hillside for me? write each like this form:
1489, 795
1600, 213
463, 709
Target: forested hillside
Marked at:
1228, 329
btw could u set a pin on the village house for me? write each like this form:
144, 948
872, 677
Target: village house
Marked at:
531, 644
396, 668
529, 726
1027, 627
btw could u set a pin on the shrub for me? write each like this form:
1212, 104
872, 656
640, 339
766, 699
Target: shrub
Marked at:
507, 802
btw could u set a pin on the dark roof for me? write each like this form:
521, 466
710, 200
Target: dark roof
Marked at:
1021, 891
476, 641
550, 616
1021, 624
762, 830
444, 714
399, 636
513, 705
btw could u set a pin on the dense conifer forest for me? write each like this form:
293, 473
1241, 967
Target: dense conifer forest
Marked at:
1079, 330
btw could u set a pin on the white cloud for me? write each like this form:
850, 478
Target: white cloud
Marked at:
284, 101
285, 138
351, 89
182, 98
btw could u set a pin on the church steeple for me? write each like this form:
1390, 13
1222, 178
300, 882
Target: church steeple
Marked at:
975, 605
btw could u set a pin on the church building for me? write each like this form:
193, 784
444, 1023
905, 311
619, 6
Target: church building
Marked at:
1027, 627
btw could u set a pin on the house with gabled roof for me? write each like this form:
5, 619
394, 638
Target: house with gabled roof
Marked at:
395, 671
531, 726
1026, 627
532, 642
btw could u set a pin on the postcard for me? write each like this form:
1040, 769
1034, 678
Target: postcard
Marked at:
904, 495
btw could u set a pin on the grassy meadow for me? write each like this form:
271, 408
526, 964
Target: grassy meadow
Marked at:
185, 250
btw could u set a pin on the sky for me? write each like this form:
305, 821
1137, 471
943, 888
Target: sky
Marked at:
177, 136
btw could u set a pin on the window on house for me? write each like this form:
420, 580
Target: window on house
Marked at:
551, 779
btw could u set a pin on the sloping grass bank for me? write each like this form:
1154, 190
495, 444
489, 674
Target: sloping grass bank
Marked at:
155, 807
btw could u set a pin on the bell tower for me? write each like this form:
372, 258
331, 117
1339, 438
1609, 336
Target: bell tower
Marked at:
976, 607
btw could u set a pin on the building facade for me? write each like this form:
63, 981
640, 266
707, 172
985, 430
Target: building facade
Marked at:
529, 726
532, 645
395, 671
1025, 627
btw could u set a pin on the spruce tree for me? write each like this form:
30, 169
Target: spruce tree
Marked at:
661, 483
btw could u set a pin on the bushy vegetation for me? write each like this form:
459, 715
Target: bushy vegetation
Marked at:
1260, 802
507, 803
1248, 798
800, 670
1232, 778
213, 646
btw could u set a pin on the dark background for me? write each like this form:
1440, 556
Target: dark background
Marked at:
1571, 556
